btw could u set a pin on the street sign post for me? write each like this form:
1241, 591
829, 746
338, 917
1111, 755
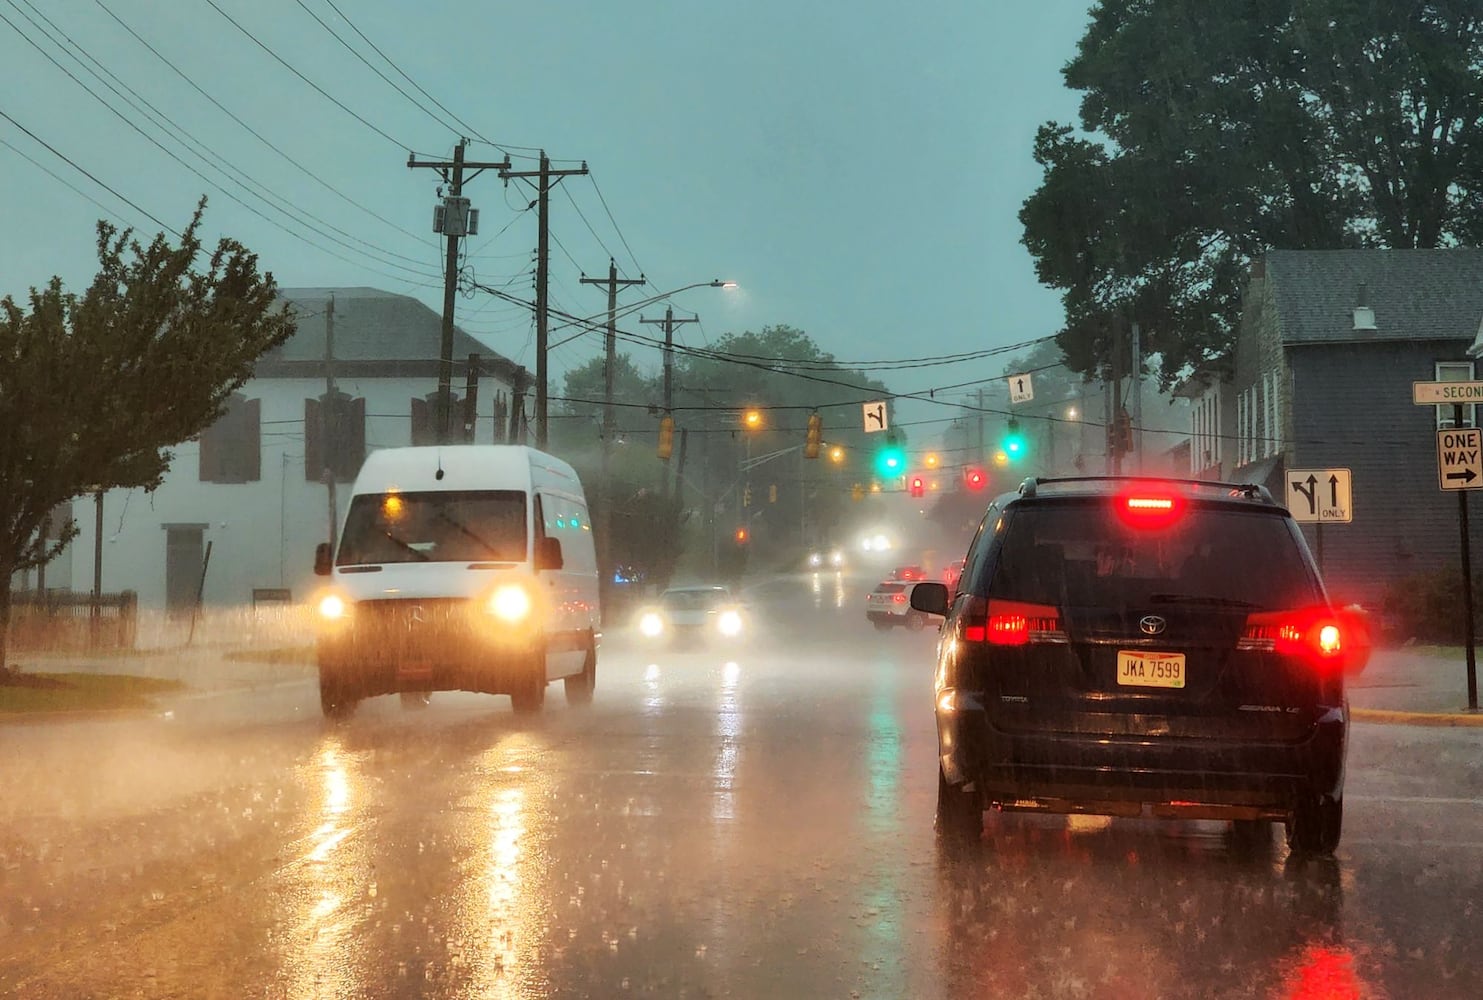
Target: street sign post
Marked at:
1021, 388
1459, 470
875, 417
1320, 496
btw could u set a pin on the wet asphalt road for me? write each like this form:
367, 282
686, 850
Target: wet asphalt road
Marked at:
745, 823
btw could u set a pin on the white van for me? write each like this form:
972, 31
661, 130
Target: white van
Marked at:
459, 568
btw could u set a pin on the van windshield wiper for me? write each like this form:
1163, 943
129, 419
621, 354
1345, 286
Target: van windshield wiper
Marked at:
1208, 602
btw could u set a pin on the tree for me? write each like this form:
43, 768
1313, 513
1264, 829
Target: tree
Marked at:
585, 387
95, 388
1217, 131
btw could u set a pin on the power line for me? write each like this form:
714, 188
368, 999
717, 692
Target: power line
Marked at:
86, 173
254, 132
623, 239
320, 90
160, 120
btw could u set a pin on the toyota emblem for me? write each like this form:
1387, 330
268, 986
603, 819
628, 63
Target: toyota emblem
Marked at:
1152, 625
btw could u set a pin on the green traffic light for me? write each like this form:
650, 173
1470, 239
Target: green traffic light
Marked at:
890, 460
1013, 443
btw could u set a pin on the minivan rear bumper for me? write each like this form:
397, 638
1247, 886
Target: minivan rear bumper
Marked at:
1021, 768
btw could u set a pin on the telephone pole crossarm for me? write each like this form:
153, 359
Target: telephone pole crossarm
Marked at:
452, 172
545, 178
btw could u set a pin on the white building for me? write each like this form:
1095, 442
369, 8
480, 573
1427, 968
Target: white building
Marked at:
252, 488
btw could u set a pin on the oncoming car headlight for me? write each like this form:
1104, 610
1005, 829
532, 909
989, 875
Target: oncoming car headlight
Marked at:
729, 623
651, 624
814, 559
332, 607
510, 602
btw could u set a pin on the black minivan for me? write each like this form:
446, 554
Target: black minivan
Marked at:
1127, 646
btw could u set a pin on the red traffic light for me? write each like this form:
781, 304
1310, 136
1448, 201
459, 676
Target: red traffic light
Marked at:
975, 479
741, 536
918, 488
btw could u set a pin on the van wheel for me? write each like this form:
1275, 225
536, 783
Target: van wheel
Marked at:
1315, 825
529, 695
579, 687
333, 702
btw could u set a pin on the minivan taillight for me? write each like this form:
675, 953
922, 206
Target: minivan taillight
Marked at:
1010, 623
1310, 632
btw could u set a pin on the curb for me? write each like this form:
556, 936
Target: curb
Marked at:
1445, 719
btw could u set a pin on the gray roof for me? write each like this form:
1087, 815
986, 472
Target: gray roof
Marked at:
373, 325
1415, 294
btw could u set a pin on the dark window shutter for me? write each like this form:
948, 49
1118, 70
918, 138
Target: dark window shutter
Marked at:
250, 440
210, 453
313, 442
422, 422
354, 436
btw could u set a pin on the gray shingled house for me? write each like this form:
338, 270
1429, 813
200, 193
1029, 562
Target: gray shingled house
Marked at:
1329, 344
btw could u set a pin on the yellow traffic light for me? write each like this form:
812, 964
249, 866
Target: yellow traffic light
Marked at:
752, 420
815, 436
931, 460
666, 437
741, 536
836, 454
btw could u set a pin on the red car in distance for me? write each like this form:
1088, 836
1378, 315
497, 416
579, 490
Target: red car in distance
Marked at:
908, 573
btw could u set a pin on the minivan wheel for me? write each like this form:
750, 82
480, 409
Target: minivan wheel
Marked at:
960, 816
1315, 825
579, 687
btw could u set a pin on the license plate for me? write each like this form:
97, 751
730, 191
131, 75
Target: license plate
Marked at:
1159, 670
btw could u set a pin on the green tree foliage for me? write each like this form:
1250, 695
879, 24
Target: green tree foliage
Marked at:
1213, 132
96, 388
585, 386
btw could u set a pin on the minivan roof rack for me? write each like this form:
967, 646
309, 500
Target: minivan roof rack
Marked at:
1251, 491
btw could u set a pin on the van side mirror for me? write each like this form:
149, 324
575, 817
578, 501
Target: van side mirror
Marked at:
931, 598
323, 556
548, 554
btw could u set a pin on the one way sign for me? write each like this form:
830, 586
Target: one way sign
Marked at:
1459, 466
1320, 496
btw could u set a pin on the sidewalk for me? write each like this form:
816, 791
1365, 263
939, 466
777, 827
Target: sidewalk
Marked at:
1419, 685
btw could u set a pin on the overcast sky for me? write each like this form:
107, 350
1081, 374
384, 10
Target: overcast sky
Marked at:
856, 166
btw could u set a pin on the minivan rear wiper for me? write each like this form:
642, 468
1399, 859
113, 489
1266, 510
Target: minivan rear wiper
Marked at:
1209, 602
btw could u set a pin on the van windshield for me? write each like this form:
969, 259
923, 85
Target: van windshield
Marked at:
453, 526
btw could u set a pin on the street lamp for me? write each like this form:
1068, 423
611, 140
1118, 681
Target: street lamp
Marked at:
752, 419
836, 454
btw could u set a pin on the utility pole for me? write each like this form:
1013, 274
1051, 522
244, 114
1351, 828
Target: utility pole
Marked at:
609, 366
669, 323
454, 219
979, 449
544, 176
328, 416
1115, 406
1137, 373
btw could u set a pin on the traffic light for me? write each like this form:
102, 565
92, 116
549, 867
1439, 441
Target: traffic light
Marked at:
815, 436
752, 420
772, 493
1014, 444
836, 454
747, 495
891, 459
931, 460
1124, 432
857, 492
974, 478
666, 437
918, 488
741, 536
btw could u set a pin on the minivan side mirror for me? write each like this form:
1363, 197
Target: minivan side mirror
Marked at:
323, 554
548, 554
930, 597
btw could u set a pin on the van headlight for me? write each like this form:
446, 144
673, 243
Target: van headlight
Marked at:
510, 602
651, 624
729, 623
332, 607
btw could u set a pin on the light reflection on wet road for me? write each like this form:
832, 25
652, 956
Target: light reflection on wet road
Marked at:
749, 822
